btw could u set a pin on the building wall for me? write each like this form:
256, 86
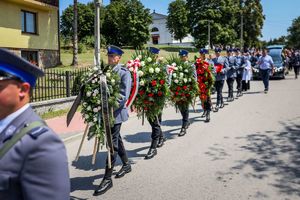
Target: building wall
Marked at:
160, 21
45, 42
10, 27
164, 34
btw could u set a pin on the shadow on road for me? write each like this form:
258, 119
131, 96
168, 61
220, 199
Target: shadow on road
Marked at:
273, 153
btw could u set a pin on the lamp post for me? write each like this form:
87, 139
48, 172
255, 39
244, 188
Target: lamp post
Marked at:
242, 24
97, 33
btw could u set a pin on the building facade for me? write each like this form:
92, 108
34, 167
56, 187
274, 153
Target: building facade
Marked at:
161, 35
30, 28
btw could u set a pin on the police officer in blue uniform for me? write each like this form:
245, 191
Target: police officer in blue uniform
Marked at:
231, 73
220, 77
183, 54
239, 71
157, 135
33, 160
114, 54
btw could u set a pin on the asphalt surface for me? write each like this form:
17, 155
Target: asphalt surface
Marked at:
249, 150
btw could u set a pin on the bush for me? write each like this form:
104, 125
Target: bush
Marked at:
82, 48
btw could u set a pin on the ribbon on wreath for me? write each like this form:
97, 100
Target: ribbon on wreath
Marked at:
134, 89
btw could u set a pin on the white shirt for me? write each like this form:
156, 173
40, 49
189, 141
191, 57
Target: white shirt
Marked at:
265, 62
7, 120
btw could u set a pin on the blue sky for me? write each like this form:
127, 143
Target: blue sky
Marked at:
279, 13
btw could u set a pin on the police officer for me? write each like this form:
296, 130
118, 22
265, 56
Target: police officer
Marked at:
231, 73
33, 160
157, 135
114, 54
239, 71
222, 63
184, 110
208, 77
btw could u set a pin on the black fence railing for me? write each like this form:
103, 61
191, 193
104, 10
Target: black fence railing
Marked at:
57, 84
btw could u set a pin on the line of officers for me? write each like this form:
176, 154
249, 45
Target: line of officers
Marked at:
34, 165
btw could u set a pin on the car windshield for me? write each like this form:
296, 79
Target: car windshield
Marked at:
276, 56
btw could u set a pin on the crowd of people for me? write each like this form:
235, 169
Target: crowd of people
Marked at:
33, 159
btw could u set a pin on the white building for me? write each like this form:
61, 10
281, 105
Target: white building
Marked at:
160, 33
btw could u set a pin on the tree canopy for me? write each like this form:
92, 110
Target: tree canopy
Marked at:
294, 34
177, 20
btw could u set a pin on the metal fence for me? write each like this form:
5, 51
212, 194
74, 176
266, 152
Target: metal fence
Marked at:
57, 84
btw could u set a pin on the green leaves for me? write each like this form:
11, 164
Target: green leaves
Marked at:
294, 34
127, 23
177, 21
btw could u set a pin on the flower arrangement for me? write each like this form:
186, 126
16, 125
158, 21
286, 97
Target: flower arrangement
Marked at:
205, 78
91, 100
153, 89
183, 85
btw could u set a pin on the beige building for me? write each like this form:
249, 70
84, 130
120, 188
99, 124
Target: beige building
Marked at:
30, 28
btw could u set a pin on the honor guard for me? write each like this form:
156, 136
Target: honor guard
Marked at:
239, 71
231, 73
183, 54
121, 115
221, 66
206, 77
157, 135
33, 160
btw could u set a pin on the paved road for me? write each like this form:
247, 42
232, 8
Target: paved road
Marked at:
250, 150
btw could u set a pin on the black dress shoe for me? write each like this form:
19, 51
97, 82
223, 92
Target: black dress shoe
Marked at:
216, 108
105, 185
161, 142
182, 132
151, 153
124, 170
222, 105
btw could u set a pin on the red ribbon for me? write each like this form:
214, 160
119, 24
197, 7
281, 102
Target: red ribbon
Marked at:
134, 88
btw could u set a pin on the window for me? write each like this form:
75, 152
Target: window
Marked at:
154, 29
31, 56
28, 22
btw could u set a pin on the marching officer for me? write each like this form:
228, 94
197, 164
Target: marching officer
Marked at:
183, 54
157, 135
221, 66
231, 73
239, 71
114, 54
208, 77
33, 160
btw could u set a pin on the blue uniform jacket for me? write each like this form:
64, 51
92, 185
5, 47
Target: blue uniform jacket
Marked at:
121, 113
240, 65
36, 167
232, 66
223, 61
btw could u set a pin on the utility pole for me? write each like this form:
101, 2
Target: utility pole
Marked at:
97, 33
242, 24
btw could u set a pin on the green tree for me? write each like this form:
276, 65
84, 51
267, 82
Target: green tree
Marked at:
253, 20
294, 34
177, 20
221, 15
127, 23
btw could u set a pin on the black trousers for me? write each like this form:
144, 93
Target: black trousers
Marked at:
156, 128
296, 70
219, 88
207, 104
184, 110
245, 85
119, 149
230, 82
239, 79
